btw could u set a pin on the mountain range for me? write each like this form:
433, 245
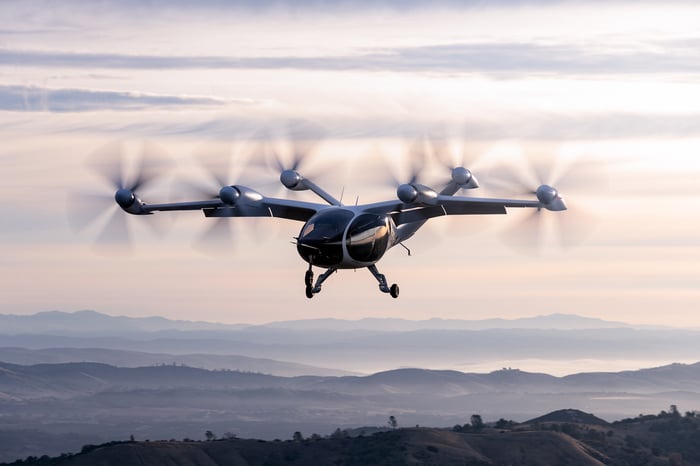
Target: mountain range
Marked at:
96, 402
68, 379
363, 346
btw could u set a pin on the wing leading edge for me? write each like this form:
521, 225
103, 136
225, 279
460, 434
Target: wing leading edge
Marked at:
246, 203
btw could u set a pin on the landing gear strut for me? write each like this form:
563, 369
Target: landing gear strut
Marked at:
311, 290
314, 288
383, 287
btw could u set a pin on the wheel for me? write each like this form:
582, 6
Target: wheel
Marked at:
308, 278
394, 291
309, 291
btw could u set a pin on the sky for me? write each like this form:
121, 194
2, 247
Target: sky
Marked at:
616, 84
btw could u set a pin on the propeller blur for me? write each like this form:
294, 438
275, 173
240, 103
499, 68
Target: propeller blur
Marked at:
333, 235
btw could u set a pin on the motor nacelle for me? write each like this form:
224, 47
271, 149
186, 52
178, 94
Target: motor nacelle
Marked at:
464, 178
291, 179
416, 193
550, 198
129, 202
229, 195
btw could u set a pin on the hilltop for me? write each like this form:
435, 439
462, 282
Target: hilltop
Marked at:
416, 446
81, 403
668, 438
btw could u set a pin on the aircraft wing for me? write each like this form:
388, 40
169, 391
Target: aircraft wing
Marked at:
245, 203
404, 213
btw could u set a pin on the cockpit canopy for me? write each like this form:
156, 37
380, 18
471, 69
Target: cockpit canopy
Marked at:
367, 238
336, 238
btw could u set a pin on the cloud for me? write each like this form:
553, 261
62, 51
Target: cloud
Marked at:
29, 98
670, 57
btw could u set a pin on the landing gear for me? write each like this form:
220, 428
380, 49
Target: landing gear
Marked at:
315, 288
311, 290
394, 291
383, 287
308, 281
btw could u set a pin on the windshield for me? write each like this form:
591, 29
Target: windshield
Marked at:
368, 237
321, 239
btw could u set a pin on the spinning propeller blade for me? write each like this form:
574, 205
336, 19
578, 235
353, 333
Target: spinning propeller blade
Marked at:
452, 154
392, 172
569, 228
110, 162
223, 164
292, 150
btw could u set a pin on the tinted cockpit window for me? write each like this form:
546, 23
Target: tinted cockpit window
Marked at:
327, 225
368, 237
321, 239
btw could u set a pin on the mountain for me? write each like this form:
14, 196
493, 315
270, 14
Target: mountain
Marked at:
87, 322
39, 381
366, 352
123, 358
98, 402
417, 446
570, 437
575, 416
90, 322
404, 446
552, 321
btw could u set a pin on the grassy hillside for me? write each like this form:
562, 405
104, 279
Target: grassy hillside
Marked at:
418, 446
668, 438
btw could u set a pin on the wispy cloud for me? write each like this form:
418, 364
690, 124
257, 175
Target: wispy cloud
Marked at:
29, 98
674, 57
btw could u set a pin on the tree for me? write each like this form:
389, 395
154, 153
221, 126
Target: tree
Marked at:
393, 423
297, 437
477, 423
337, 433
211, 436
503, 424
673, 409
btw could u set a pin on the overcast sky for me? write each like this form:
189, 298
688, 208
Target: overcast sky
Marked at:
617, 82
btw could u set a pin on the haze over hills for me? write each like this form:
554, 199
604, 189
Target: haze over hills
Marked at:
555, 343
81, 322
124, 358
84, 377
96, 402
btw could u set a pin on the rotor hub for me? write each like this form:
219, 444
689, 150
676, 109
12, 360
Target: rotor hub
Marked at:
290, 178
124, 197
546, 194
461, 175
229, 195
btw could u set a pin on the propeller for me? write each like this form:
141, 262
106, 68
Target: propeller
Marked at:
380, 169
289, 152
435, 157
544, 175
457, 160
111, 163
222, 164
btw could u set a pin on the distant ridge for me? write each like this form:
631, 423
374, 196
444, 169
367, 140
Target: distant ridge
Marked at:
124, 358
86, 320
550, 321
24, 382
70, 323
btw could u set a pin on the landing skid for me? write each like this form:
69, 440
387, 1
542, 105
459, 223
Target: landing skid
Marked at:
315, 288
